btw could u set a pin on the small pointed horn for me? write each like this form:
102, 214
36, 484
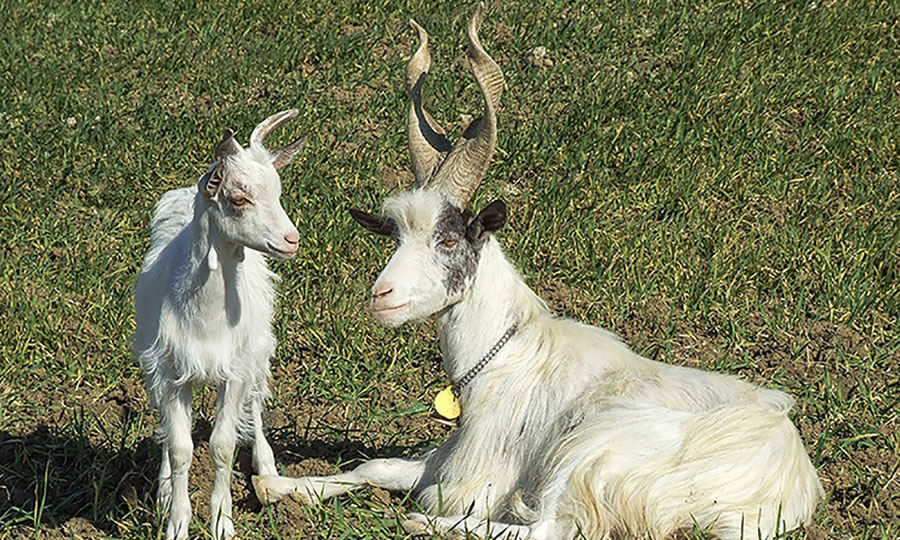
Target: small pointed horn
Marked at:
465, 166
227, 146
427, 142
266, 127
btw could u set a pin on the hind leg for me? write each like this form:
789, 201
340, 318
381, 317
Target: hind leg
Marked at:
263, 458
462, 527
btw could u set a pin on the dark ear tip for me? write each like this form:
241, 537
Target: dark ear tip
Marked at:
490, 220
498, 207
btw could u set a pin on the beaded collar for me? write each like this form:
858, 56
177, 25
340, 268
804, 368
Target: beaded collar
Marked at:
467, 378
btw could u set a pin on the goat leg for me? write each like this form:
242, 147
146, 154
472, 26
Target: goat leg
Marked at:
393, 474
463, 527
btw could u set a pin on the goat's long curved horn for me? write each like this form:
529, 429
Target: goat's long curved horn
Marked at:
227, 146
427, 143
465, 166
265, 127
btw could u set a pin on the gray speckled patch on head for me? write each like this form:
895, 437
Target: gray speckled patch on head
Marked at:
459, 260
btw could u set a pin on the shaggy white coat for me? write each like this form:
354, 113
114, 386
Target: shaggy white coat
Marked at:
567, 431
204, 302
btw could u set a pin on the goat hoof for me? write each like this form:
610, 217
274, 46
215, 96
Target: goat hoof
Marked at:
415, 528
263, 494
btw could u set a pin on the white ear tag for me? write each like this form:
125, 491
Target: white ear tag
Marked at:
212, 259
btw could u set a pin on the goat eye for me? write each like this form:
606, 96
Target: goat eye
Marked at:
449, 242
240, 202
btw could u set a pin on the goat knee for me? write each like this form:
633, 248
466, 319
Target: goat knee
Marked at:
180, 454
221, 446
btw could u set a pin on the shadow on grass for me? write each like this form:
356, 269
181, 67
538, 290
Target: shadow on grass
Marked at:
62, 484
343, 455
49, 480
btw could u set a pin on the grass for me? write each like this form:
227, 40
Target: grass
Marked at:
717, 182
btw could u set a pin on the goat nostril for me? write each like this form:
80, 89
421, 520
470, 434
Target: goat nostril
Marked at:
382, 292
292, 238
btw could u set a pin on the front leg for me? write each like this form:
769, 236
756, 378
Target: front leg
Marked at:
164, 491
393, 474
229, 399
175, 414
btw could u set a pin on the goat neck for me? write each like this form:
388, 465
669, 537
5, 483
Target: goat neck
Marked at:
216, 267
210, 248
496, 299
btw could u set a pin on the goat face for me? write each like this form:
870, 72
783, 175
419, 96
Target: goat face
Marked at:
438, 241
437, 253
244, 188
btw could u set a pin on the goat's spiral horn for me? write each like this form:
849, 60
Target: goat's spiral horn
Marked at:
464, 168
427, 143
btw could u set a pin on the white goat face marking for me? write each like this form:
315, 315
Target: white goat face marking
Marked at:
433, 265
250, 211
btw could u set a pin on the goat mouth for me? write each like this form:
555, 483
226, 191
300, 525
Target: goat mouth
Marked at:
381, 312
280, 253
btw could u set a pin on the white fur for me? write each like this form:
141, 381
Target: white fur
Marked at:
567, 430
204, 302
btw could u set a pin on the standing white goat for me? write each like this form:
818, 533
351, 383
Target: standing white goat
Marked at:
204, 305
564, 430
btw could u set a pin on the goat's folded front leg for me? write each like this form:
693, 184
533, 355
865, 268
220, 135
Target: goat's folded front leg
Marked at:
393, 474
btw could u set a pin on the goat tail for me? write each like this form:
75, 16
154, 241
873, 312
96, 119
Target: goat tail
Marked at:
739, 471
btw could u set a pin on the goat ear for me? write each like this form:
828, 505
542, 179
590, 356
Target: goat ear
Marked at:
227, 146
487, 222
211, 181
380, 225
285, 154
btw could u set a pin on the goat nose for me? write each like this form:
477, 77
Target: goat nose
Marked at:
382, 291
292, 238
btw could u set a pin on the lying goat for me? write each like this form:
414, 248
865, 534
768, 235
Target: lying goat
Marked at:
204, 303
564, 430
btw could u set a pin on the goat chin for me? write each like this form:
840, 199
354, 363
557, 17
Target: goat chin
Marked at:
392, 317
